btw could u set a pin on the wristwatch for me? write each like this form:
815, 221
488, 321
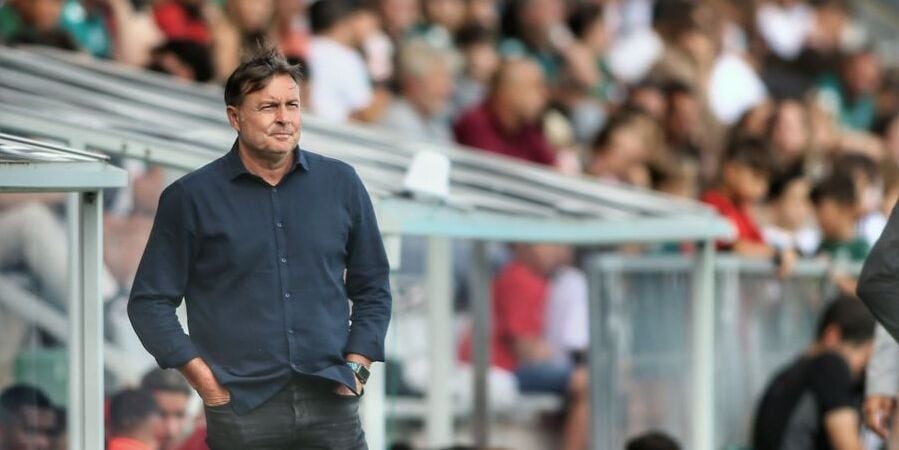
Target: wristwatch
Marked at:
362, 372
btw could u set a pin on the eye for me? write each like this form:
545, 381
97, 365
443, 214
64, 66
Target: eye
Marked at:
293, 105
267, 107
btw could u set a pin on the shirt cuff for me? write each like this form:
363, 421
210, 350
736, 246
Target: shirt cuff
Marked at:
367, 346
178, 357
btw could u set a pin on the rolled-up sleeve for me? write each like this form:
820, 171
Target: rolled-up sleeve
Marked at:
161, 280
878, 284
367, 279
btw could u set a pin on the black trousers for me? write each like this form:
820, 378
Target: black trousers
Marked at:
306, 414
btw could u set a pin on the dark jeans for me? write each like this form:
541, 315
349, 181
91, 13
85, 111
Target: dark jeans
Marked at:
306, 414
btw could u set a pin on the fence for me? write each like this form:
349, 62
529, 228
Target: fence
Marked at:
761, 323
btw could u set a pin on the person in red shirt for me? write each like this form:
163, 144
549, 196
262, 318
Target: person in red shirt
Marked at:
518, 345
745, 176
134, 421
183, 20
508, 122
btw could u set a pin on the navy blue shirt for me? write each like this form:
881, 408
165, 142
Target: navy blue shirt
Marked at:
265, 272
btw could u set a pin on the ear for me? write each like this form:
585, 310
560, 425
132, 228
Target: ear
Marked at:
233, 117
831, 336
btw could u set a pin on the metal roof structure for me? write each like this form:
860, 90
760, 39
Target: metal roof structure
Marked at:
126, 112
31, 166
181, 125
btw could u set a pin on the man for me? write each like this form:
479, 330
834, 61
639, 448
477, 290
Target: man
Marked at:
508, 122
134, 421
27, 419
266, 244
344, 87
426, 84
814, 403
171, 392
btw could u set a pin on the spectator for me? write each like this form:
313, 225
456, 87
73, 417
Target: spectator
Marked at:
788, 133
535, 29
245, 28
27, 419
171, 393
683, 122
814, 402
185, 20
134, 421
399, 17
291, 28
566, 328
35, 22
866, 176
851, 96
519, 345
443, 18
588, 26
184, 59
620, 152
652, 441
342, 88
887, 129
426, 84
480, 61
507, 122
837, 209
745, 175
790, 223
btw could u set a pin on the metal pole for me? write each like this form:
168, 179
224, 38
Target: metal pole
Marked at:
479, 279
75, 419
91, 322
703, 348
600, 360
439, 419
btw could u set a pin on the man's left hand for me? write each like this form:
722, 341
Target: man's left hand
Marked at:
343, 390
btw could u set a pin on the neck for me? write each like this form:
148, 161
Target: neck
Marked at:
340, 34
270, 170
845, 233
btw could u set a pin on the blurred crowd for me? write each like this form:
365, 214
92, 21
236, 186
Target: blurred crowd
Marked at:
780, 114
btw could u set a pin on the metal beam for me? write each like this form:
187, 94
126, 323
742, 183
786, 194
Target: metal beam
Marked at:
481, 313
703, 348
439, 420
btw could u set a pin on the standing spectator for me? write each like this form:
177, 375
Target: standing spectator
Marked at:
243, 29
27, 419
342, 88
134, 421
425, 75
34, 22
480, 61
184, 20
508, 121
172, 393
815, 401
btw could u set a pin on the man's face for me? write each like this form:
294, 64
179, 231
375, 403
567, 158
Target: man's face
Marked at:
32, 429
432, 91
173, 412
268, 120
525, 90
41, 14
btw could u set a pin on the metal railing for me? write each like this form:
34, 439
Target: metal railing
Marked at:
761, 323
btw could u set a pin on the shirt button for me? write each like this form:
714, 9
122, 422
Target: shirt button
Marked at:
274, 189
284, 260
279, 225
290, 331
287, 295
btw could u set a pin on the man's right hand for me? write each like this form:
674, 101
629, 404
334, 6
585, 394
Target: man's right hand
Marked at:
878, 411
200, 376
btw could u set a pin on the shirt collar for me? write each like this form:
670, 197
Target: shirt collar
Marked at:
236, 167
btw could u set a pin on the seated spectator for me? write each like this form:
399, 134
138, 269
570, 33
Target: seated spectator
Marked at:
519, 345
35, 22
815, 401
342, 88
172, 393
443, 18
508, 121
134, 421
184, 20
790, 223
837, 209
425, 76
745, 176
535, 29
184, 59
866, 176
28, 419
851, 96
620, 151
480, 61
399, 17
652, 441
244, 28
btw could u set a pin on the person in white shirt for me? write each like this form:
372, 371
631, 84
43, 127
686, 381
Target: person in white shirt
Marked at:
342, 85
